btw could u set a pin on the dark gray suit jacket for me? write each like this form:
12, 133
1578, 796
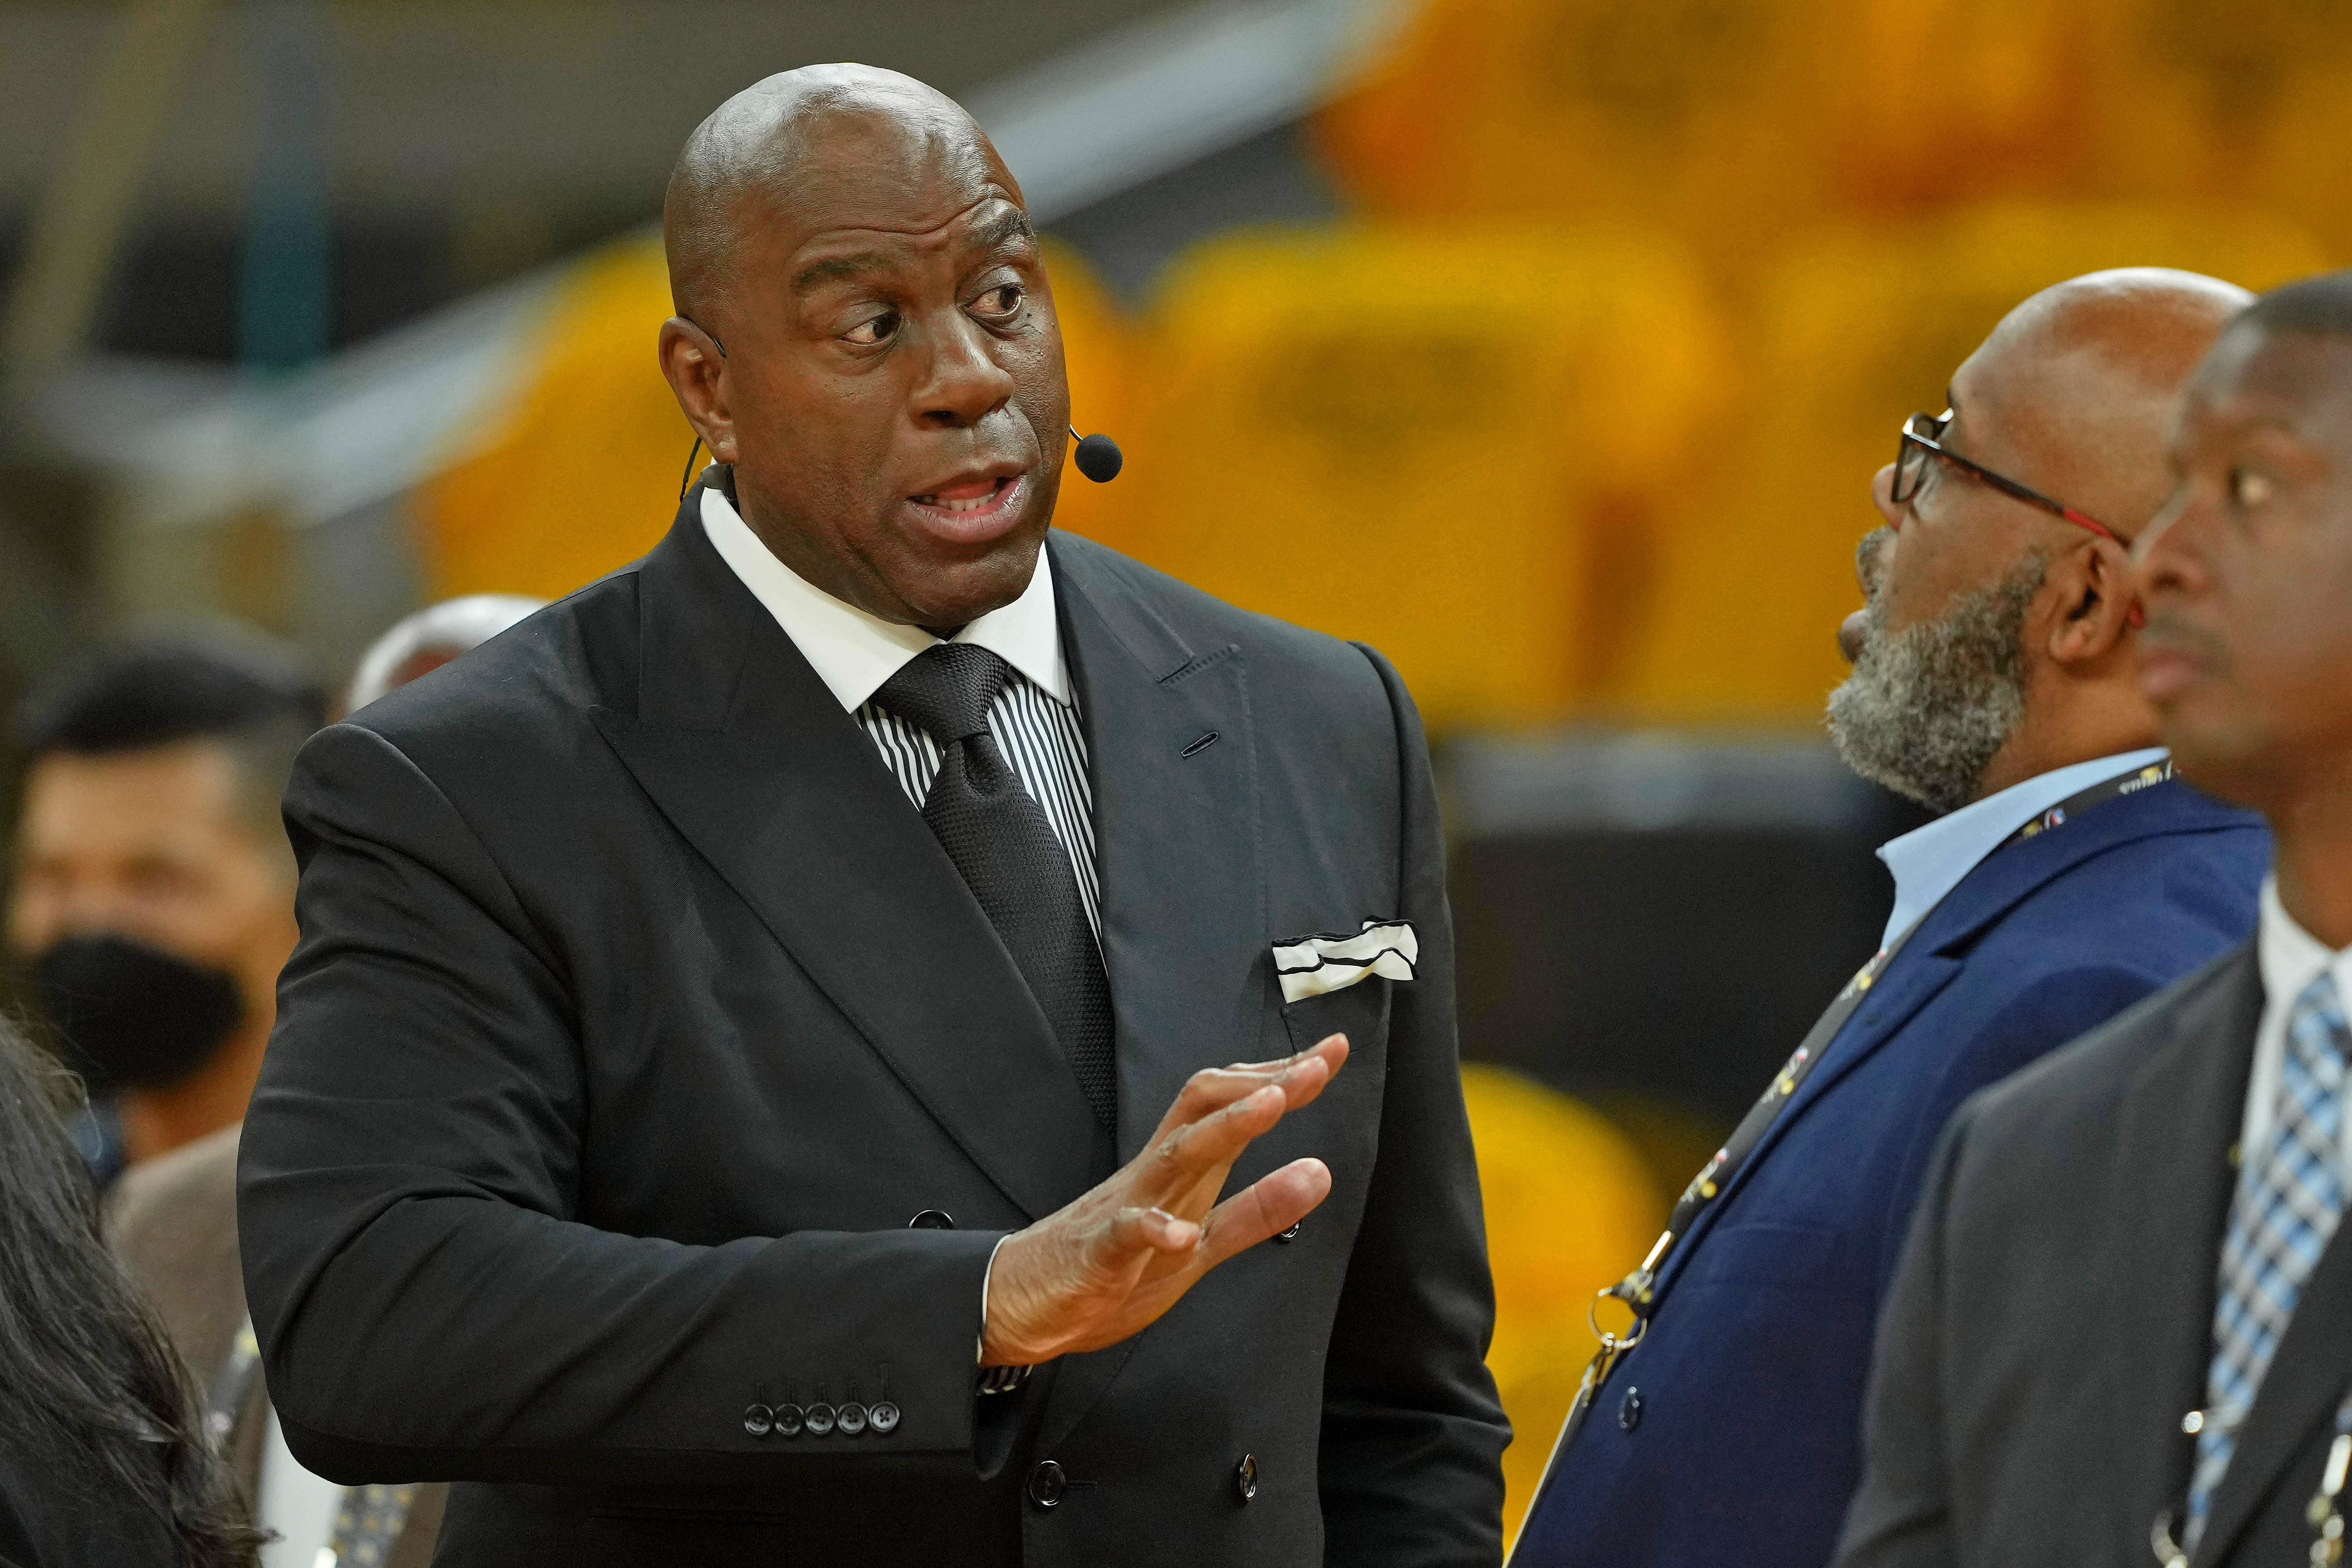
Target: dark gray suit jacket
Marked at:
636, 1011
2053, 1320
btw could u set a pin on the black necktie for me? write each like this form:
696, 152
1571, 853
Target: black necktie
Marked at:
999, 840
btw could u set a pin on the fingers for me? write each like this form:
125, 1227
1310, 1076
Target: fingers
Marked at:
1211, 1090
1299, 1087
1186, 1153
1320, 1048
1151, 1230
1190, 1154
1268, 1207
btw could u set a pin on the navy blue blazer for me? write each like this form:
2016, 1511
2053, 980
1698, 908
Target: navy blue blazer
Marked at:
1732, 1434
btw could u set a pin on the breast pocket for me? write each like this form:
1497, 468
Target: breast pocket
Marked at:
1342, 1128
1360, 1011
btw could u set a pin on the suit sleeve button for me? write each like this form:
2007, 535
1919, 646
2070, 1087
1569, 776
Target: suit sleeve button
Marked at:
1048, 1485
1629, 1409
819, 1418
790, 1422
1287, 1236
1245, 1477
850, 1420
883, 1417
758, 1419
932, 1219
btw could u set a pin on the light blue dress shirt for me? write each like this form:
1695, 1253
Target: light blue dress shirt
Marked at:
1928, 862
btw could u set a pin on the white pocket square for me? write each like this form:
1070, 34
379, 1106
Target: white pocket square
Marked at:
1311, 966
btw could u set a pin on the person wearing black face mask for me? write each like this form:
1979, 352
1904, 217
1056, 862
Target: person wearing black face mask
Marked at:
154, 890
132, 1016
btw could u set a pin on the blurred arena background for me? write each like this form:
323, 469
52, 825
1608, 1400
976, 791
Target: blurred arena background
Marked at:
1548, 345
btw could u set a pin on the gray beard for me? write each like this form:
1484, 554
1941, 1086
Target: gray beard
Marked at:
1926, 710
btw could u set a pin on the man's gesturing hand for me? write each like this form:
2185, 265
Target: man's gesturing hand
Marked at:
1093, 1273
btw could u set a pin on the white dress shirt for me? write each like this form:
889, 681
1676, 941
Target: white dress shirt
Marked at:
1928, 862
2290, 958
1034, 720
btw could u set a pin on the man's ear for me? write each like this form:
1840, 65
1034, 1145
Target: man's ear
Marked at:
695, 368
2096, 609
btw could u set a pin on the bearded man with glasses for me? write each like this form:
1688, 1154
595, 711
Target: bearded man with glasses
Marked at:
2067, 875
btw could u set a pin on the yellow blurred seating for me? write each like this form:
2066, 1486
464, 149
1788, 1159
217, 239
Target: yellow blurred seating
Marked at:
1856, 325
1696, 115
1726, 121
2245, 103
1448, 443
1571, 1207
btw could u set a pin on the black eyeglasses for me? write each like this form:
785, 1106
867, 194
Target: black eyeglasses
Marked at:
1922, 438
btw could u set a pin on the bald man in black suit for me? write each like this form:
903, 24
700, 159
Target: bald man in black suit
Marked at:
751, 1085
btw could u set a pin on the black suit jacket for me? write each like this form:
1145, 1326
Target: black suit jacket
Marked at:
2053, 1320
636, 1011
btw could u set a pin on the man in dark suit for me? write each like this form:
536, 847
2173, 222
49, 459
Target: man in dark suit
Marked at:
748, 1086
2068, 877
2123, 1317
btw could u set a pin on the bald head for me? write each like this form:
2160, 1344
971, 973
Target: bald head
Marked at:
787, 140
2077, 385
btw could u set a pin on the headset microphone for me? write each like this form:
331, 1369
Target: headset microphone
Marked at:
1099, 458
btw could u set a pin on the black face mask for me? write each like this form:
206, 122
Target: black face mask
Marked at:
133, 1015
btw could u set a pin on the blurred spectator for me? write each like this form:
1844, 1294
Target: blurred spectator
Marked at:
104, 1460
154, 889
174, 1221
430, 638
2067, 878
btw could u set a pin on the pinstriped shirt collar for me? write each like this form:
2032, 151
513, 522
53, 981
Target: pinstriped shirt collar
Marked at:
855, 653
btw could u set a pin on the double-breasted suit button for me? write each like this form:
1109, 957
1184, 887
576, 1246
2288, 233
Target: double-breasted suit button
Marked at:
1629, 1409
790, 1422
1287, 1236
932, 1219
1047, 1484
758, 1420
819, 1418
1245, 1477
850, 1420
883, 1417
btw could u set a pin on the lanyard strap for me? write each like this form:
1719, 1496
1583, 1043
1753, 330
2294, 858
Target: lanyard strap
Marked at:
2326, 1509
2098, 794
1638, 1290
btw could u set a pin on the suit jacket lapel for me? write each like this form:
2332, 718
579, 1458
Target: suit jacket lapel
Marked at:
1927, 965
752, 760
2309, 1376
1909, 984
2174, 1124
2308, 1373
1184, 910
1176, 837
